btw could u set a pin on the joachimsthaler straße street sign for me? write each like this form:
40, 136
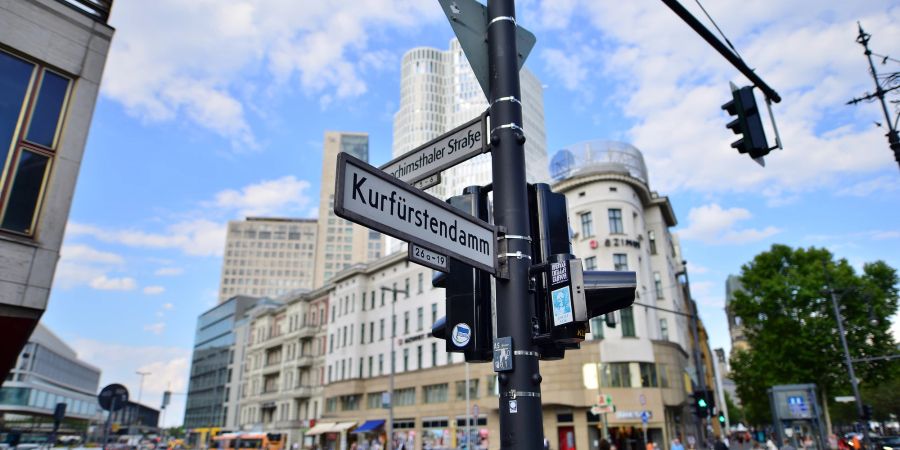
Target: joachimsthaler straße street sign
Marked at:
372, 198
460, 144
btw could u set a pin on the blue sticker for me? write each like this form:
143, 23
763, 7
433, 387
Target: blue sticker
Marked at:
562, 306
461, 335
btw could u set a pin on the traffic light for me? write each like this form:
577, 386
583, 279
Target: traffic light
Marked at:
701, 405
466, 328
567, 297
722, 418
867, 412
747, 123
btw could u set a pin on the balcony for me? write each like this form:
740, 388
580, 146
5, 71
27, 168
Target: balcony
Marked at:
304, 361
95, 9
307, 332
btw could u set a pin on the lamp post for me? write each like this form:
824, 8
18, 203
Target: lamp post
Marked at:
141, 385
390, 432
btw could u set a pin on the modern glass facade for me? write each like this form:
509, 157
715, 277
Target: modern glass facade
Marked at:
208, 389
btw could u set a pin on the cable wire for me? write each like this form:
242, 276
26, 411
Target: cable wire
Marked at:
730, 45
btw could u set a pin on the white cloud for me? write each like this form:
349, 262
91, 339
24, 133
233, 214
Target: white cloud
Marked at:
155, 328
168, 367
181, 70
81, 264
884, 184
154, 290
199, 237
102, 283
167, 306
168, 271
713, 225
85, 254
281, 196
567, 66
671, 84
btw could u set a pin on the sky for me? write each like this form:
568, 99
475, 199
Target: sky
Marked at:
212, 111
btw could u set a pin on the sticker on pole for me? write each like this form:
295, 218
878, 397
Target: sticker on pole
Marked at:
503, 354
562, 306
513, 406
462, 333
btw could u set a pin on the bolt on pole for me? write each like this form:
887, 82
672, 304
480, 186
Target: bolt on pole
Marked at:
521, 421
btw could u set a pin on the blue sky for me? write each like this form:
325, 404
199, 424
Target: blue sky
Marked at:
209, 113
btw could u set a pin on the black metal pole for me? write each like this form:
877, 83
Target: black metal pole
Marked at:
521, 421
892, 135
735, 61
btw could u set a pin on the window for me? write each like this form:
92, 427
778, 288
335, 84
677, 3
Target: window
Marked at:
657, 283
461, 389
362, 333
648, 374
587, 225
406, 360
433, 354
627, 316
421, 282
363, 301
405, 397
419, 357
615, 221
33, 106
663, 329
373, 400
407, 288
620, 262
420, 318
597, 327
350, 402
380, 364
406, 322
651, 236
433, 313
590, 263
663, 371
435, 393
381, 330
615, 375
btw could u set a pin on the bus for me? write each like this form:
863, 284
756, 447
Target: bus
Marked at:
249, 441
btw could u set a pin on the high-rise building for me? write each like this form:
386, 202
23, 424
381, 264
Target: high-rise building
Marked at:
268, 257
735, 325
49, 372
438, 92
340, 243
52, 54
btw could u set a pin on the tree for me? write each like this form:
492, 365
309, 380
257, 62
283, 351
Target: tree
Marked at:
735, 413
786, 308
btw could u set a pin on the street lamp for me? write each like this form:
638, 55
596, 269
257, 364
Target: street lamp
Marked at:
141, 385
395, 291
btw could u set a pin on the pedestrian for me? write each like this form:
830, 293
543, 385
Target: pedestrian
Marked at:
676, 444
787, 445
649, 444
720, 444
546, 444
604, 444
770, 444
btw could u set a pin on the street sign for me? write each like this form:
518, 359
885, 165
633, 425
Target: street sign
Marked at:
645, 417
845, 399
503, 354
112, 392
602, 409
469, 20
643, 399
374, 199
460, 144
427, 182
475, 411
423, 256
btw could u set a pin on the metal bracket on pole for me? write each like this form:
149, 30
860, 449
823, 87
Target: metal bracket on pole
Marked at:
503, 253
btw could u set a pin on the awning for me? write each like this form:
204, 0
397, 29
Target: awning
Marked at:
342, 426
322, 427
369, 425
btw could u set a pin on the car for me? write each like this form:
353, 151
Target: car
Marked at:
887, 443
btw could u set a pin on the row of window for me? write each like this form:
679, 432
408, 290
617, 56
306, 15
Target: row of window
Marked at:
343, 369
273, 235
631, 375
434, 393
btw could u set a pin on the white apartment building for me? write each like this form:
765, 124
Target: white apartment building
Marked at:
283, 368
268, 257
438, 92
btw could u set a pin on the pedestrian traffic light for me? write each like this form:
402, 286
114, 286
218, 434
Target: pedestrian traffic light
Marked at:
722, 418
747, 122
567, 297
701, 406
466, 328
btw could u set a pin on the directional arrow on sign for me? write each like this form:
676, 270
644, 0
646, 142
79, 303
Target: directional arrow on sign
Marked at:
469, 20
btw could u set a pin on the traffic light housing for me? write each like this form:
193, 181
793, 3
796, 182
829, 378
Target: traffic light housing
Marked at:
567, 297
867, 412
467, 326
747, 122
722, 418
703, 403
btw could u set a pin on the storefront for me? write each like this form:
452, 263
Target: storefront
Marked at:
370, 435
478, 433
404, 433
436, 434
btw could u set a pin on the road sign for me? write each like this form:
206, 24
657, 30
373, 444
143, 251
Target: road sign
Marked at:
602, 409
372, 198
643, 399
428, 258
503, 361
645, 417
845, 399
469, 20
427, 182
112, 392
475, 411
460, 144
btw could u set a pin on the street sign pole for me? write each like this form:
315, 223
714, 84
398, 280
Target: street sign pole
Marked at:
521, 421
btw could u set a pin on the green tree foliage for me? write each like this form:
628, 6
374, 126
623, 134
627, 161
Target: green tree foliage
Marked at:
735, 413
791, 329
